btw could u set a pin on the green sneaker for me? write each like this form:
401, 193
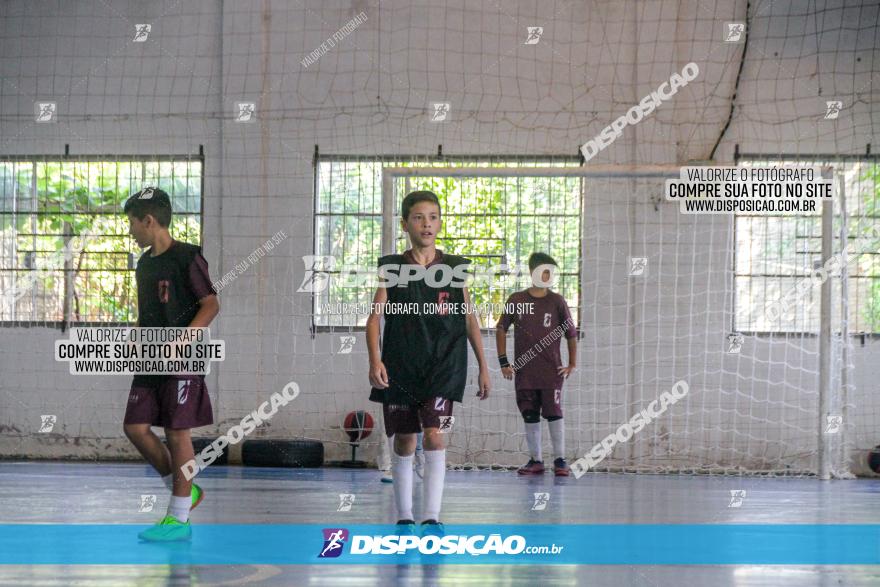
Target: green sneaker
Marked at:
197, 494
170, 529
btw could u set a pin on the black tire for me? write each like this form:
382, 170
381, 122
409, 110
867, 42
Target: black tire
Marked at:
282, 453
200, 443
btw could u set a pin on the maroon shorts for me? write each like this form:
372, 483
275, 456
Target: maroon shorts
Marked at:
177, 402
546, 402
411, 419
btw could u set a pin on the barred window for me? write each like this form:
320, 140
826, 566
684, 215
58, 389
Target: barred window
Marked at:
775, 253
491, 220
65, 252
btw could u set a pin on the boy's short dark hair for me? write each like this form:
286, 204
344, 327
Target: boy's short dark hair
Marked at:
538, 259
414, 198
152, 201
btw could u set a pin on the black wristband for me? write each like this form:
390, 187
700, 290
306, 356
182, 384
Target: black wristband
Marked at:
503, 360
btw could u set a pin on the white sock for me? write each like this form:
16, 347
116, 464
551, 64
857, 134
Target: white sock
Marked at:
179, 507
169, 481
435, 475
557, 436
533, 437
402, 471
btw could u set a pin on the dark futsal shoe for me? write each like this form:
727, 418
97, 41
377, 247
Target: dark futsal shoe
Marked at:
561, 468
533, 467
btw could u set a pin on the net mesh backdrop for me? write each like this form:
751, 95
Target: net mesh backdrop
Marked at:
275, 127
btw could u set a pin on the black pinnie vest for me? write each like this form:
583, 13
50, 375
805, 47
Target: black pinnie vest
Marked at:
165, 297
425, 354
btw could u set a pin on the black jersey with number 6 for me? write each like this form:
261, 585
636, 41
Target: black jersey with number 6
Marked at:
424, 342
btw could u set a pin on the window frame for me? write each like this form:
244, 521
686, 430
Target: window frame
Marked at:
63, 325
818, 159
428, 160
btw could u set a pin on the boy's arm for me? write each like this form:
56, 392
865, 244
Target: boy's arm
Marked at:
377, 374
501, 344
501, 340
572, 352
209, 307
200, 284
572, 358
571, 335
476, 339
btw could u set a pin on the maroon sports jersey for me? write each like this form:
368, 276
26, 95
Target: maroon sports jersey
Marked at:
169, 288
550, 313
170, 285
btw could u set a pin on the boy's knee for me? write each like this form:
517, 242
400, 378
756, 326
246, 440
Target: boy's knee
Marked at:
553, 418
134, 431
178, 440
404, 444
531, 417
433, 439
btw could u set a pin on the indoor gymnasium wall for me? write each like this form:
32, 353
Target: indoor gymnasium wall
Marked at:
370, 94
114, 97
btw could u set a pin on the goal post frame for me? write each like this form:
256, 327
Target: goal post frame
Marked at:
826, 449
389, 174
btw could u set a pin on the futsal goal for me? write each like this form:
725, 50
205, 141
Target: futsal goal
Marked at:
659, 297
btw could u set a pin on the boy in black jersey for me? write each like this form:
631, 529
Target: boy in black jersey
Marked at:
423, 363
174, 290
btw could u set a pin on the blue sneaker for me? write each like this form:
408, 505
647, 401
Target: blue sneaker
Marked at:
406, 527
433, 528
170, 529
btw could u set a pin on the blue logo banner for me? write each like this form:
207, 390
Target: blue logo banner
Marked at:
605, 544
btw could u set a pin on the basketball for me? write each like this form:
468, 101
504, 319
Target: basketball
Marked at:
358, 425
874, 459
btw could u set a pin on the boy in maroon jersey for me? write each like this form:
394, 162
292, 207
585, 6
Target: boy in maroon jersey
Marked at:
174, 290
540, 325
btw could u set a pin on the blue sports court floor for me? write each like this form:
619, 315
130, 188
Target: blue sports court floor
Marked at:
87, 493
